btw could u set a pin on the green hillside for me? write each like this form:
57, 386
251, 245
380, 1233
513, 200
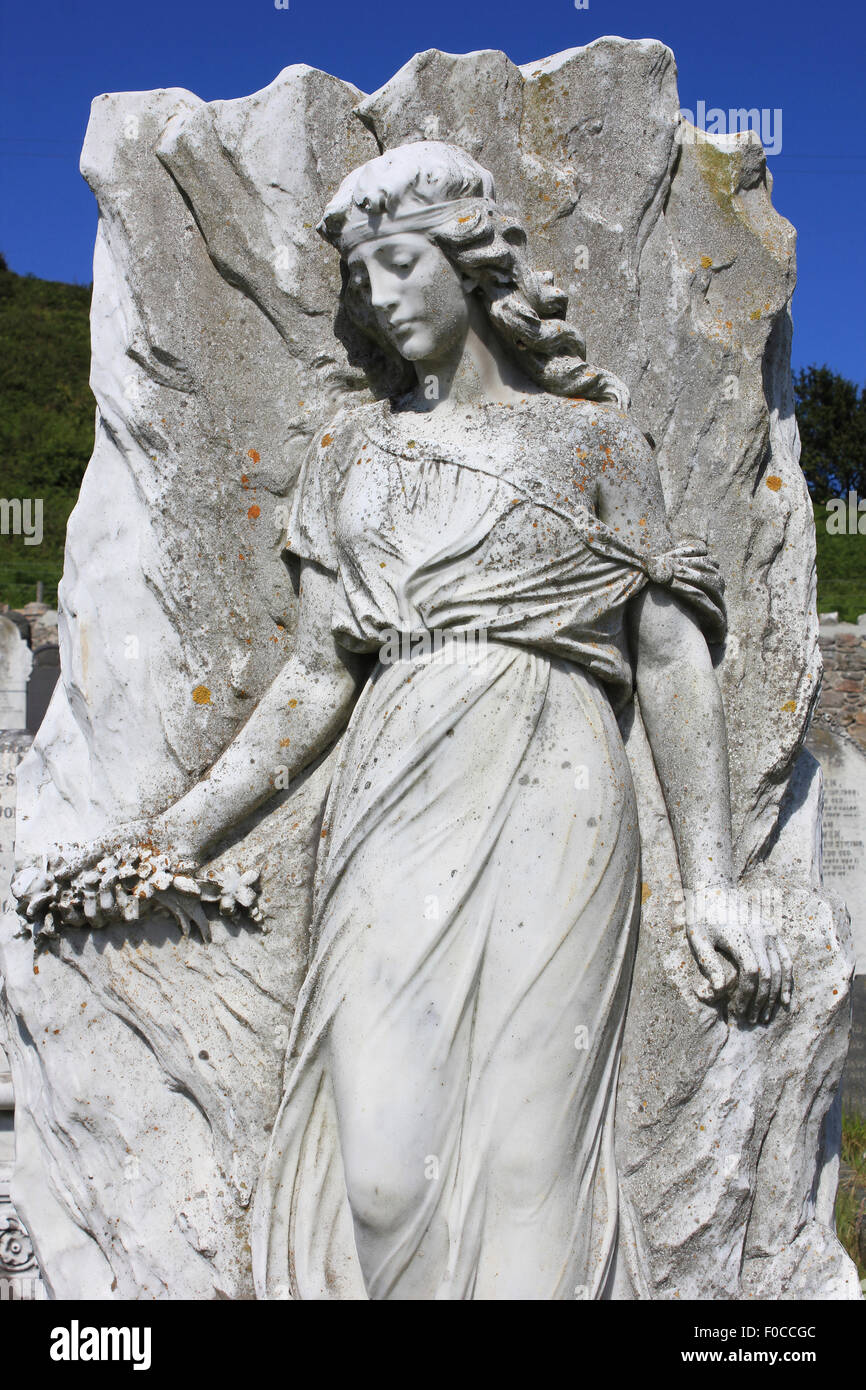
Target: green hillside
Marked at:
841, 569
46, 420
46, 437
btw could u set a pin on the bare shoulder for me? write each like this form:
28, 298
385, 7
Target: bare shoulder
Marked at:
597, 440
606, 431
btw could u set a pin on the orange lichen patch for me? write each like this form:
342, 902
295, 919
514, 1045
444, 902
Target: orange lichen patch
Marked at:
201, 695
706, 262
645, 892
245, 481
240, 556
292, 704
465, 219
326, 440
284, 742
789, 706
774, 483
251, 454
254, 512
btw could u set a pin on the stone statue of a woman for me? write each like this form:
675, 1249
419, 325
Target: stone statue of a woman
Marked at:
486, 576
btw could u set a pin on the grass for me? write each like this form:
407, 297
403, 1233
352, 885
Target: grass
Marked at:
851, 1197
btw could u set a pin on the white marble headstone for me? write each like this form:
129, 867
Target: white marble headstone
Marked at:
843, 764
15, 662
19, 1274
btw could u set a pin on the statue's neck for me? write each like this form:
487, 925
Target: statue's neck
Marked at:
478, 369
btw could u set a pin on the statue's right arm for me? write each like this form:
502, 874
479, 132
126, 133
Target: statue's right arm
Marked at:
304, 709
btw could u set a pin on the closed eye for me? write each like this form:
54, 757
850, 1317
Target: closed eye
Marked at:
399, 260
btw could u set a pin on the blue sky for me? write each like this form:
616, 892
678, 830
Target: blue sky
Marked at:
805, 58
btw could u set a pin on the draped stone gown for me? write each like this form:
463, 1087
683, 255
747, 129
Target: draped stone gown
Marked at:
447, 1128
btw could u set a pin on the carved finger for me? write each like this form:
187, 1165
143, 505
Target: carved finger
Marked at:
765, 975
775, 979
747, 980
787, 973
710, 965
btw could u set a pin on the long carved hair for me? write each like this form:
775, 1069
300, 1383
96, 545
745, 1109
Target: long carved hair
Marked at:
410, 188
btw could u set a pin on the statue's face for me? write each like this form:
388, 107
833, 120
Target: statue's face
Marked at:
419, 299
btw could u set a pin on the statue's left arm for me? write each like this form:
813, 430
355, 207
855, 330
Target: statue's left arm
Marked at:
682, 711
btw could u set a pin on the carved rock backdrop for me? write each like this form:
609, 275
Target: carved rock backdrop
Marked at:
147, 1065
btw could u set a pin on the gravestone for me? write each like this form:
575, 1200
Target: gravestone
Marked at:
43, 631
19, 1272
14, 743
7, 1112
219, 356
15, 663
843, 763
40, 687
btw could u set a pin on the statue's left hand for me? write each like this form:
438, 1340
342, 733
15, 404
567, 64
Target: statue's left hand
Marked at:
725, 929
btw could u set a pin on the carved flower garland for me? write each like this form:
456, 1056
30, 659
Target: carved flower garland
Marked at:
128, 885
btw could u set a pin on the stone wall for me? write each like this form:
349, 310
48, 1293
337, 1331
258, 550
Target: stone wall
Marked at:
843, 694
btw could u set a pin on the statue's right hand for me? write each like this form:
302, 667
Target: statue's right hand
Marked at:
66, 860
39, 885
143, 866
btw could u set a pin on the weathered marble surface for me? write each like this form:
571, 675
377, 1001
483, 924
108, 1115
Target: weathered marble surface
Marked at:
215, 359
